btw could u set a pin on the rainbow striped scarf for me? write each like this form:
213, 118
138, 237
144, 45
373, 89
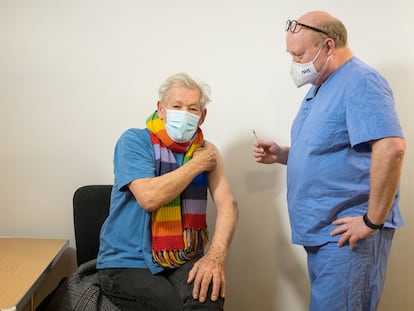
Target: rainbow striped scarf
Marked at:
179, 229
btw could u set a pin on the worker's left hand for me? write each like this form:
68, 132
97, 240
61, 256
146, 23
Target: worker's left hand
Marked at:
352, 230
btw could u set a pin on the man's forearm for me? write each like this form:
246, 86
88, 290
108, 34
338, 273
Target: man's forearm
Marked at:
386, 166
226, 221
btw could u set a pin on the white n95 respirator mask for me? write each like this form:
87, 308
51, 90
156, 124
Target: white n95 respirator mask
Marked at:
304, 73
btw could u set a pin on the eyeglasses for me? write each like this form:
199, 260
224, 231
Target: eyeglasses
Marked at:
291, 25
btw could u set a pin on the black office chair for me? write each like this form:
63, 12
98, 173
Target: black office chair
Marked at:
90, 209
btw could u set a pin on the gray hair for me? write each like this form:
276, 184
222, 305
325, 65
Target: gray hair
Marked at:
336, 30
184, 79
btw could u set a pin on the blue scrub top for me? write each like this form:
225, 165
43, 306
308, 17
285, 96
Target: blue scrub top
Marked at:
329, 159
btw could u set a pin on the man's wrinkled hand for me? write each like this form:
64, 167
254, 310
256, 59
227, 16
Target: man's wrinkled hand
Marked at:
206, 157
209, 270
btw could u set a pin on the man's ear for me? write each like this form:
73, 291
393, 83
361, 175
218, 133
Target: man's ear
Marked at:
330, 46
202, 117
161, 110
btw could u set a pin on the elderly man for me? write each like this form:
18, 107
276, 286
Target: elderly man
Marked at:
343, 166
151, 253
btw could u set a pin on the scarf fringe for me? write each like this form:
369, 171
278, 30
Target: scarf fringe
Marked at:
194, 241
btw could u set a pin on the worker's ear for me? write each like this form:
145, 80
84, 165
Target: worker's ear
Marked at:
330, 46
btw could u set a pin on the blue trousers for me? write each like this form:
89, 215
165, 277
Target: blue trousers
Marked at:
138, 289
349, 280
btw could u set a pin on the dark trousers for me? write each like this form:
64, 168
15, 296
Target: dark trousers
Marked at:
137, 289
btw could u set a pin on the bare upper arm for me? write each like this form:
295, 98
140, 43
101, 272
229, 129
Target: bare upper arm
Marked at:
219, 185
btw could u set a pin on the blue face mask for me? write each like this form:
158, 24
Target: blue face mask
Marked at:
181, 125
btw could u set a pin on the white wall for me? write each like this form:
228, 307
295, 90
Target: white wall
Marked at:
75, 74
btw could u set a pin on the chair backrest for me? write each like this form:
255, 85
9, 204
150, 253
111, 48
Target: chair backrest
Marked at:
90, 209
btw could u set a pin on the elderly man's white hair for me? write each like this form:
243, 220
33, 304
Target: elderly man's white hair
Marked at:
184, 79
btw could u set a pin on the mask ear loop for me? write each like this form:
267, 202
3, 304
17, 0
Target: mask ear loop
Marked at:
328, 58
317, 54
319, 73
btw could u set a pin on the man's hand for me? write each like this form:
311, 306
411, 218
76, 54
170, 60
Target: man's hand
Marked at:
206, 157
208, 270
268, 152
352, 230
